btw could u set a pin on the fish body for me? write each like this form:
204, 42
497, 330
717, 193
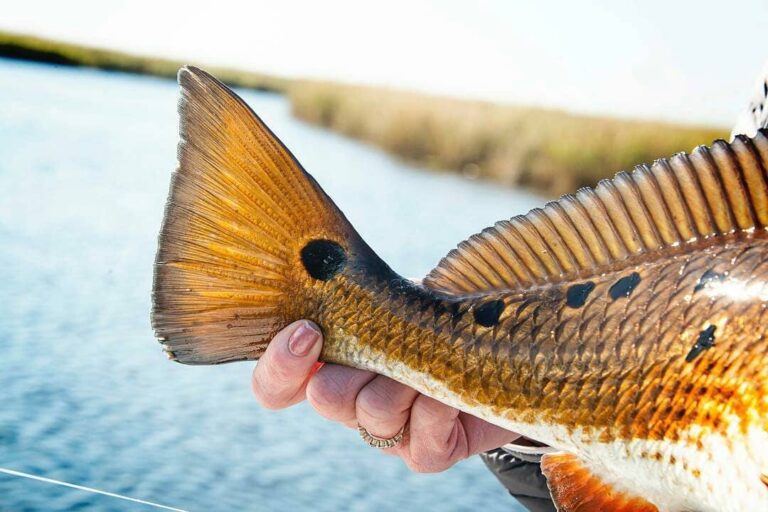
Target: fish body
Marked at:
624, 327
654, 373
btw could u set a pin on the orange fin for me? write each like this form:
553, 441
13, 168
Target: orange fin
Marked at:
575, 489
241, 215
712, 191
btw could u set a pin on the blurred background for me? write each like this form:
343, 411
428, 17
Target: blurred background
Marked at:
459, 113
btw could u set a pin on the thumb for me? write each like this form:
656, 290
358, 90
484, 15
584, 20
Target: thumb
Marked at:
280, 377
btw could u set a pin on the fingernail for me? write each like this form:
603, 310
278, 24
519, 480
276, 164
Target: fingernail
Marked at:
303, 339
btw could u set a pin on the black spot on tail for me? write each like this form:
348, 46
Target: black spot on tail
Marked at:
705, 340
624, 286
488, 314
323, 259
710, 276
577, 295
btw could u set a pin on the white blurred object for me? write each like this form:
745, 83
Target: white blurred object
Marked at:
756, 115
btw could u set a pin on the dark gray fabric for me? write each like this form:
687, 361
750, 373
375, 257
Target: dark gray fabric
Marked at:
522, 478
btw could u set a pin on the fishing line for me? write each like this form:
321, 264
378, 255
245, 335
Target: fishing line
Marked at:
86, 489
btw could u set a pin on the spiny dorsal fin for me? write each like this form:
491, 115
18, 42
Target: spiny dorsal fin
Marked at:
575, 488
712, 191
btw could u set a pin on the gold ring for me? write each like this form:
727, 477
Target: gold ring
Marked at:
380, 442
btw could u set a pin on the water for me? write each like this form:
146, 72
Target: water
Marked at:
86, 395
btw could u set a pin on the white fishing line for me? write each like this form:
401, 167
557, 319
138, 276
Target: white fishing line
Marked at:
86, 489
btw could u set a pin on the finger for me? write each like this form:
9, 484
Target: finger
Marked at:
333, 390
483, 436
440, 436
280, 377
437, 439
383, 406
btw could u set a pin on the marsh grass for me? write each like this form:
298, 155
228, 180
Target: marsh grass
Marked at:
551, 151
24, 47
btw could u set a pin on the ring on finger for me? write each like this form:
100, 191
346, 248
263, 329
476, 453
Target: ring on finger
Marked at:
381, 442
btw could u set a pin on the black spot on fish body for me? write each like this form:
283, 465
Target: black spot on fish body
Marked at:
323, 259
624, 286
488, 313
710, 276
705, 340
577, 295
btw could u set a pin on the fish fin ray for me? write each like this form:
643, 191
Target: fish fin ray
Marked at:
713, 191
239, 210
574, 488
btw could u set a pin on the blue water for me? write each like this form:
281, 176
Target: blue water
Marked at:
86, 395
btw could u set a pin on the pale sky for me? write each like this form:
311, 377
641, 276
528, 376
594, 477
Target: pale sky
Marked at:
680, 60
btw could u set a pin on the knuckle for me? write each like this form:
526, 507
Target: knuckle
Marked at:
376, 403
428, 458
326, 394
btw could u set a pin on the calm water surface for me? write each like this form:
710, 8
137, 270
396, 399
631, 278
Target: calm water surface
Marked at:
86, 395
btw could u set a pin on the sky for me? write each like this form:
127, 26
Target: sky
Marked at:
675, 60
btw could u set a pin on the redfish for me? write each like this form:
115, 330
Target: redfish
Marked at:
624, 327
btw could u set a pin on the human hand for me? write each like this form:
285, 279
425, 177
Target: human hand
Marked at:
437, 436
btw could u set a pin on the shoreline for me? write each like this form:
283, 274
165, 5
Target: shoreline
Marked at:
548, 151
48, 51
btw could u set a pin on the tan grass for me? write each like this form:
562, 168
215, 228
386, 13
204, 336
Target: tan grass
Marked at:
40, 49
551, 151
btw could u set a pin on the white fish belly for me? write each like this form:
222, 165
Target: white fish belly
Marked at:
722, 476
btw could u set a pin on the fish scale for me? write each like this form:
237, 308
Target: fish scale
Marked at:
622, 327
379, 336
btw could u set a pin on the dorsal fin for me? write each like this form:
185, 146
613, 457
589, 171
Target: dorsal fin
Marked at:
712, 191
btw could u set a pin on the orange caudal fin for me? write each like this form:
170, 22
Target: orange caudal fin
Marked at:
244, 227
575, 489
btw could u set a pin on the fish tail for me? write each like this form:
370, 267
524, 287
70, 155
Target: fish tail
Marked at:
246, 231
